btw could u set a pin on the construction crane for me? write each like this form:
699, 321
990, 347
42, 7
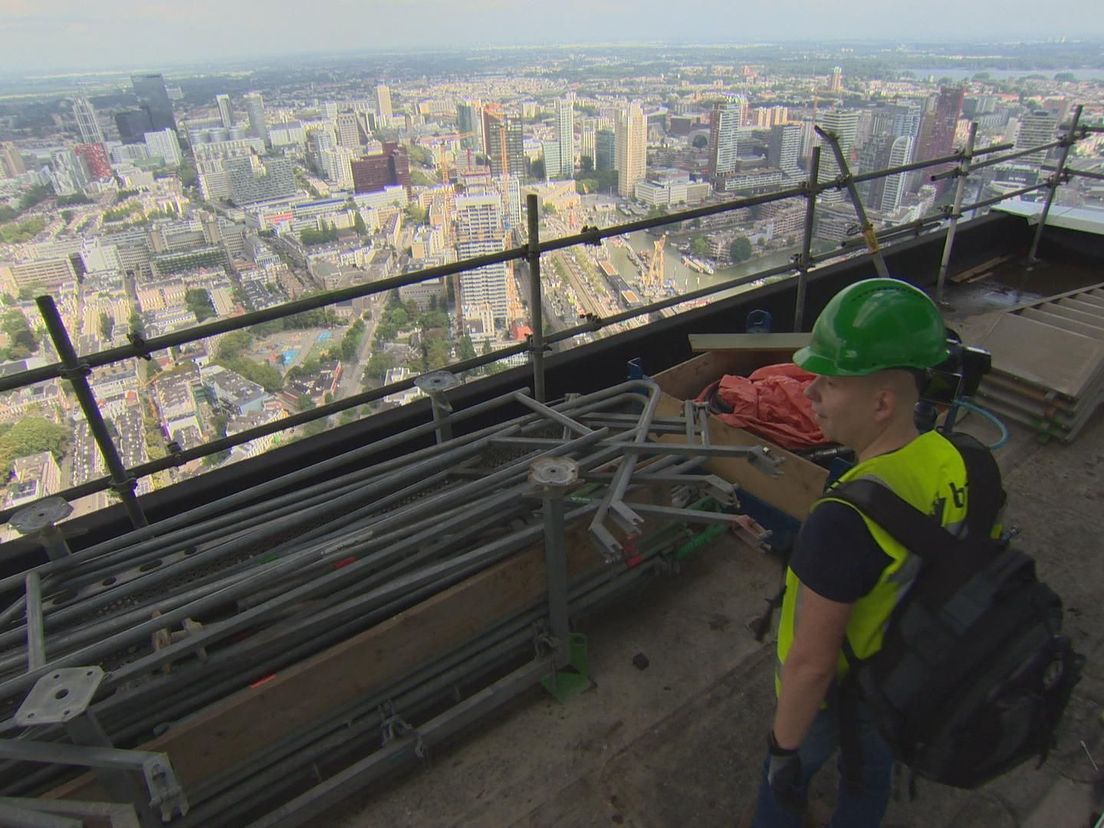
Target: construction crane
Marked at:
653, 278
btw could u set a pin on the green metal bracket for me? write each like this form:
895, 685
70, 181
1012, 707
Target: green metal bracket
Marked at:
575, 677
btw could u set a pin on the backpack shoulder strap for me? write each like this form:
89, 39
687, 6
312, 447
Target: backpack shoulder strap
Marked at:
986, 492
916, 531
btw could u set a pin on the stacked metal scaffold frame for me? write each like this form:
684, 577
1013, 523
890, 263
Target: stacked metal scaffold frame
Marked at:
117, 643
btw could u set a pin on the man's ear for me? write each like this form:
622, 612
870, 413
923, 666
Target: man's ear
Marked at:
885, 403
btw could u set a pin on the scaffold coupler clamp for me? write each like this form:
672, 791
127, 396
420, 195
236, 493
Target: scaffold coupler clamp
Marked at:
139, 342
591, 234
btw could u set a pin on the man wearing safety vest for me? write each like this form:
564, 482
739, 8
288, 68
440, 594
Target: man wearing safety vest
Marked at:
870, 349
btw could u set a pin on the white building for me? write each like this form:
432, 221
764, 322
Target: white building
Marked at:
164, 145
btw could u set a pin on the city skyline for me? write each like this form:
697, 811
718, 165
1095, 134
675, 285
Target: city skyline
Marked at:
55, 34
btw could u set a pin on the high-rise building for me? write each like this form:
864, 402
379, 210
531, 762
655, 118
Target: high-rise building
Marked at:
937, 131
630, 148
565, 137
133, 124
505, 142
1036, 128
479, 231
348, 131
784, 148
588, 136
95, 160
372, 173
11, 162
163, 144
469, 123
153, 98
552, 160
900, 153
383, 101
836, 83
226, 114
67, 174
604, 149
337, 167
724, 122
254, 109
87, 123
844, 123
254, 180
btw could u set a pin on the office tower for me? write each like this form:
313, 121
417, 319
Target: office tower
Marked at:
10, 160
67, 175
87, 123
253, 179
937, 134
133, 124
164, 145
153, 98
505, 142
383, 101
604, 149
469, 123
348, 132
226, 115
630, 157
391, 168
1036, 128
337, 167
552, 160
565, 137
509, 187
254, 109
836, 84
844, 123
588, 137
479, 231
95, 160
725, 120
900, 153
784, 148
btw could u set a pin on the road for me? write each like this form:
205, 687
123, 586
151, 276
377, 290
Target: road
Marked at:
351, 379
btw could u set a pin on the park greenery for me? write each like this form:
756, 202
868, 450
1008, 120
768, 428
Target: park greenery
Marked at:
30, 435
327, 234
20, 231
21, 341
231, 356
198, 301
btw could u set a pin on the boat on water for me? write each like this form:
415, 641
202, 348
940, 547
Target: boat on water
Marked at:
698, 265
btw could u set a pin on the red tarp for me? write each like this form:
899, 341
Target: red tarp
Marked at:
770, 402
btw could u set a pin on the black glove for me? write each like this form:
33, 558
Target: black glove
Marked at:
784, 776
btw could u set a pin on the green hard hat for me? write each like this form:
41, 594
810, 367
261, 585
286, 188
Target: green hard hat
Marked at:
873, 325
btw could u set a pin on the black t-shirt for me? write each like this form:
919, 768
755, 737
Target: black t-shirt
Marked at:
836, 556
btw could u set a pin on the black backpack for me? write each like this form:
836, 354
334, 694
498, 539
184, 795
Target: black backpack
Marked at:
973, 673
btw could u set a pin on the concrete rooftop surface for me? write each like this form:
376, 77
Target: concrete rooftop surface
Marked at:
677, 738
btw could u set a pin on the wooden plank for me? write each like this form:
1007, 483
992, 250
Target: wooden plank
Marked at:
783, 342
1083, 304
229, 731
801, 482
983, 269
1090, 298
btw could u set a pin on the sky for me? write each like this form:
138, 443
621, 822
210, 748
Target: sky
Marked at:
39, 35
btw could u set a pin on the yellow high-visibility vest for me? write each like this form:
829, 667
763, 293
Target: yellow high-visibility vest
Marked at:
929, 474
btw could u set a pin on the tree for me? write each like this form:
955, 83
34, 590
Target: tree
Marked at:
198, 301
415, 213
21, 339
536, 170
699, 246
378, 365
467, 349
586, 166
548, 208
420, 178
359, 225
700, 142
29, 436
107, 325
740, 249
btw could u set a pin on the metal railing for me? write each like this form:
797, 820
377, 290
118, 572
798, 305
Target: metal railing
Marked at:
76, 368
